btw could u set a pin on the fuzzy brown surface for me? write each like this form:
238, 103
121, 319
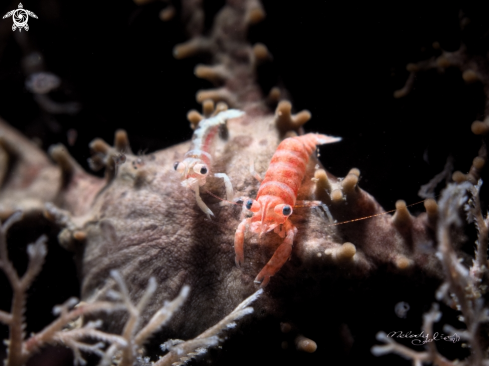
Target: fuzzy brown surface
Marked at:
143, 223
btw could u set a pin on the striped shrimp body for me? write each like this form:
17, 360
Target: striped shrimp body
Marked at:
276, 198
195, 168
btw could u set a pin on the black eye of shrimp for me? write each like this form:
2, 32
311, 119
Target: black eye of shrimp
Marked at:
175, 165
286, 211
249, 203
203, 170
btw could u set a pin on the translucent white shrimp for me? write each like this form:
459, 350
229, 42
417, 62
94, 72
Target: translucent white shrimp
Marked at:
195, 168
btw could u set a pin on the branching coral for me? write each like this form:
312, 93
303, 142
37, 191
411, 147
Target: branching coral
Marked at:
464, 285
21, 349
462, 288
68, 331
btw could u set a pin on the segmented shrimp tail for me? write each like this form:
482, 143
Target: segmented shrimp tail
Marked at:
288, 166
208, 129
311, 140
325, 139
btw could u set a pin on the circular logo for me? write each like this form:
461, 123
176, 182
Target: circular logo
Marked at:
20, 18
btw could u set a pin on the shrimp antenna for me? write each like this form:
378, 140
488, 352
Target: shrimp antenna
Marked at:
370, 216
222, 199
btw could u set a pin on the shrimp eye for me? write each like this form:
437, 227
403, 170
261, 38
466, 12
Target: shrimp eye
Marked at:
180, 167
287, 210
201, 169
283, 210
252, 205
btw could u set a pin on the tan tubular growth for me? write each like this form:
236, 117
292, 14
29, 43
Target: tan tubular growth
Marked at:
254, 12
190, 48
220, 107
346, 251
208, 108
121, 142
274, 95
80, 235
337, 196
285, 121
194, 118
402, 217
432, 210
212, 73
68, 165
480, 127
103, 155
477, 165
322, 182
167, 14
261, 52
470, 76
459, 177
474, 173
342, 253
217, 95
350, 182
355, 171
402, 262
305, 344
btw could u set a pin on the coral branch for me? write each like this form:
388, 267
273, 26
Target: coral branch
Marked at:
394, 347
183, 351
20, 350
134, 339
37, 252
461, 284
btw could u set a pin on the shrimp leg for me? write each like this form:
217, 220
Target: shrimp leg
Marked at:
239, 241
315, 204
254, 172
228, 185
201, 203
279, 257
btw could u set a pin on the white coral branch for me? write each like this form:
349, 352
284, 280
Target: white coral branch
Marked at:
19, 349
161, 317
134, 341
181, 352
480, 264
54, 333
460, 286
392, 346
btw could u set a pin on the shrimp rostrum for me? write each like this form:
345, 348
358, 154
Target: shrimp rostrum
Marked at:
196, 166
276, 198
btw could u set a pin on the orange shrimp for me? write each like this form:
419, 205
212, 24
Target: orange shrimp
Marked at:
276, 197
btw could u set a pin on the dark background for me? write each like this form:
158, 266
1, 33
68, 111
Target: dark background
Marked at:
340, 60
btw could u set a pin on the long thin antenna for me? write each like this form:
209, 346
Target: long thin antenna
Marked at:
335, 224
